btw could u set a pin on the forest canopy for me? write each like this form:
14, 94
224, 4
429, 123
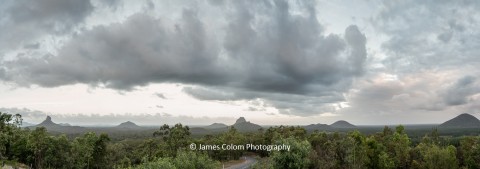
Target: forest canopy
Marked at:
168, 147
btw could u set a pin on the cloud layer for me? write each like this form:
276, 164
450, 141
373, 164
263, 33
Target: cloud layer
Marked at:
408, 57
23, 22
274, 47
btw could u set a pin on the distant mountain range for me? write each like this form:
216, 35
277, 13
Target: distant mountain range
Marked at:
49, 124
318, 126
341, 124
62, 127
462, 121
241, 124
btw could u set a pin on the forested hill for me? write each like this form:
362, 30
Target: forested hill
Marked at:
128, 125
342, 124
462, 121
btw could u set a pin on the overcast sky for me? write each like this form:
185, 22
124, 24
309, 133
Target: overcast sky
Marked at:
272, 62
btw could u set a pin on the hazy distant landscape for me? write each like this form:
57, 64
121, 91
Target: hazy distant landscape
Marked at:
462, 125
259, 84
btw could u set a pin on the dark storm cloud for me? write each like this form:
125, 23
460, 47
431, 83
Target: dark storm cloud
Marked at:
48, 12
458, 93
281, 52
22, 21
212, 94
286, 52
358, 54
429, 34
122, 56
112, 3
277, 48
32, 46
286, 103
2, 73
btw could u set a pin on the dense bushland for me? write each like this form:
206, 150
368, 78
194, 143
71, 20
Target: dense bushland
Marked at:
169, 148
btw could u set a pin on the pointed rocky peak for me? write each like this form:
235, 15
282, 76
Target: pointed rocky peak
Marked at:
240, 120
47, 122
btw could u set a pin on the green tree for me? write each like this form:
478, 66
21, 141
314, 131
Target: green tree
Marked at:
90, 151
296, 158
164, 163
377, 155
184, 160
194, 160
149, 149
20, 149
58, 153
39, 142
9, 127
231, 137
100, 151
357, 154
469, 152
384, 161
401, 147
435, 157
390, 149
323, 155
175, 137
118, 155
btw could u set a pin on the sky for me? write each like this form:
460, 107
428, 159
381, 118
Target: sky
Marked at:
301, 62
